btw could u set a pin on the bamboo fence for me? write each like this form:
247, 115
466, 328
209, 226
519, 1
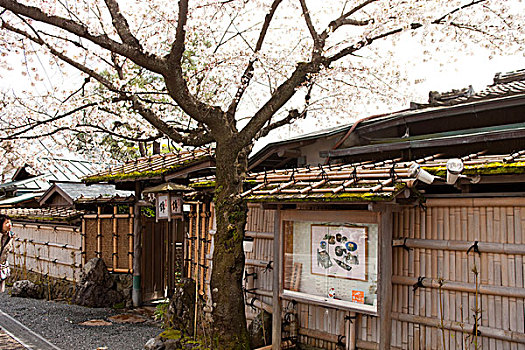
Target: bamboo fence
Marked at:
46, 249
110, 237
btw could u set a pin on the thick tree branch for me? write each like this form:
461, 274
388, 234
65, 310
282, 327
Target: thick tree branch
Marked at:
137, 105
121, 25
282, 94
248, 72
292, 116
148, 61
178, 47
177, 85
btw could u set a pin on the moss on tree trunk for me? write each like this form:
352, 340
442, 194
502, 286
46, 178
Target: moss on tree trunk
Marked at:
229, 319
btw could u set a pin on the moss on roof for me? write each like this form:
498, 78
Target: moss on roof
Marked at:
135, 175
329, 197
494, 168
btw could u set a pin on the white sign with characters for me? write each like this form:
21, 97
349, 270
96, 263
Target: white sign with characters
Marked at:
162, 207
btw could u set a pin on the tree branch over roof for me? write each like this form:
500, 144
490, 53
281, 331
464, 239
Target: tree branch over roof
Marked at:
248, 72
133, 53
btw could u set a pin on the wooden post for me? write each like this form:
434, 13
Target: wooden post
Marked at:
83, 243
385, 277
276, 300
137, 249
130, 239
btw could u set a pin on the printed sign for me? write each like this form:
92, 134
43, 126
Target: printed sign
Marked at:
339, 251
162, 207
176, 205
358, 296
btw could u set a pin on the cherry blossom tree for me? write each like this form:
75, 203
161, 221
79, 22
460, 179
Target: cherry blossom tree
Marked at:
225, 72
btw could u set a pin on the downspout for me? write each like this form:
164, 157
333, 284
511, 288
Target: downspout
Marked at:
354, 126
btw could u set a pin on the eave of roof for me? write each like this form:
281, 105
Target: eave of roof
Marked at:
368, 182
155, 167
506, 132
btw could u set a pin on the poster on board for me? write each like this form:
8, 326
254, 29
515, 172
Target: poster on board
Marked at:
339, 251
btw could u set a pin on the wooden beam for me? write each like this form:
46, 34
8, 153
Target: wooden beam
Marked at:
385, 278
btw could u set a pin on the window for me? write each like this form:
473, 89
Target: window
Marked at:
331, 262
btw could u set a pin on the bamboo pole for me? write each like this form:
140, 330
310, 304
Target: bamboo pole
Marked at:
131, 219
115, 239
259, 263
106, 216
385, 271
197, 227
500, 334
484, 247
48, 260
513, 292
137, 249
261, 235
50, 244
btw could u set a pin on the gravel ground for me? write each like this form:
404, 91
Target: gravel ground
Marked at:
59, 323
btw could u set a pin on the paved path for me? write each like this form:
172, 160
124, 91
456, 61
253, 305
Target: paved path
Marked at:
15, 336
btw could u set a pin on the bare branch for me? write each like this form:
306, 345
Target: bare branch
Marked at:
343, 19
36, 124
248, 72
103, 130
309, 24
442, 18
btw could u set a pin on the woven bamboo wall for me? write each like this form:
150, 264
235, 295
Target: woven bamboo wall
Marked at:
438, 241
260, 226
198, 246
110, 237
46, 249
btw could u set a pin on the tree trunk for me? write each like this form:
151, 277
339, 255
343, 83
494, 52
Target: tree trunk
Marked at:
229, 319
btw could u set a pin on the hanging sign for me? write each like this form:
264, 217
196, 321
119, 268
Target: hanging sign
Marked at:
168, 206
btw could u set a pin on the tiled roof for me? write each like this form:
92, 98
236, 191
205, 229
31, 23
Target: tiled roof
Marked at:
37, 214
82, 191
153, 166
505, 84
366, 182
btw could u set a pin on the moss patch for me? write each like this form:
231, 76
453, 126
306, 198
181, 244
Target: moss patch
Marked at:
142, 174
495, 168
171, 334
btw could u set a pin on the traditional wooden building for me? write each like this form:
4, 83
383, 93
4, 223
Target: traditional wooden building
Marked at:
408, 235
157, 237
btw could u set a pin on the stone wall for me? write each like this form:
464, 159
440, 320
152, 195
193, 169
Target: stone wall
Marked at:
62, 289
